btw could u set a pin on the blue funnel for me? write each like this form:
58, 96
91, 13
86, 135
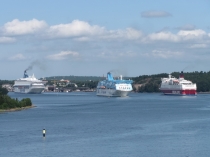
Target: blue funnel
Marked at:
109, 76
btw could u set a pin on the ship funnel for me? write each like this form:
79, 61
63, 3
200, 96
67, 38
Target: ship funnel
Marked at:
25, 74
109, 76
181, 75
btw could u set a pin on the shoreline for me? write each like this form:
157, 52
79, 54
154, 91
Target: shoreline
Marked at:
16, 109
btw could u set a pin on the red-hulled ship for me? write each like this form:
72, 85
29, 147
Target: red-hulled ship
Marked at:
174, 86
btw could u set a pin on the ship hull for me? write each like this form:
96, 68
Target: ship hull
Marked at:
29, 91
112, 93
179, 92
174, 86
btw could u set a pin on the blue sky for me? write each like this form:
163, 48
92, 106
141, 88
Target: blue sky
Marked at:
90, 38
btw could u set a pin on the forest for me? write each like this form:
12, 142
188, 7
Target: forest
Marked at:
7, 102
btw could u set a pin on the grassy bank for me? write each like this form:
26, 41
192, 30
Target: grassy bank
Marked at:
16, 109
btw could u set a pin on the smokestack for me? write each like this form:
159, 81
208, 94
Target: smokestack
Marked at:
181, 75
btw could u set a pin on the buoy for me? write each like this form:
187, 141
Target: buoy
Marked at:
43, 132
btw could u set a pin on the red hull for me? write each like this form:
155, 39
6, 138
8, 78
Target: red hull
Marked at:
180, 92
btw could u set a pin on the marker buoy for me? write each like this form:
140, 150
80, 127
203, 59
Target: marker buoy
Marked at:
43, 132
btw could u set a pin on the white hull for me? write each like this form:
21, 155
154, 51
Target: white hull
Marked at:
112, 92
29, 85
32, 90
173, 86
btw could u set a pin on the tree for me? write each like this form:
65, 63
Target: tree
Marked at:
3, 91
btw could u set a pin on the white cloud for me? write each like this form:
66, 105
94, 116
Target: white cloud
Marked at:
83, 31
165, 54
192, 34
154, 14
17, 27
18, 57
63, 55
166, 36
75, 28
128, 34
82, 39
198, 46
197, 32
7, 40
183, 35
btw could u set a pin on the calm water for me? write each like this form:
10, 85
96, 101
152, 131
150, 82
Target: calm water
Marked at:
83, 125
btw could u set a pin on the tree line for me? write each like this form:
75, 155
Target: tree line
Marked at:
6, 102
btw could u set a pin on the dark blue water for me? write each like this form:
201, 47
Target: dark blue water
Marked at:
83, 125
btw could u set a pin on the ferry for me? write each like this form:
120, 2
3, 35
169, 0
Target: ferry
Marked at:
28, 85
174, 86
114, 87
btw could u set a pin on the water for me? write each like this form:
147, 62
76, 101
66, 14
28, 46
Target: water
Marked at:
83, 125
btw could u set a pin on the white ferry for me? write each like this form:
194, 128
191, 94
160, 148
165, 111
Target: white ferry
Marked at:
116, 88
174, 86
28, 85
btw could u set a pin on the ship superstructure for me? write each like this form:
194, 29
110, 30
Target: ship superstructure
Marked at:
28, 85
114, 87
174, 86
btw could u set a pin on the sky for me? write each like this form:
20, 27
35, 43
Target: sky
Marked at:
91, 38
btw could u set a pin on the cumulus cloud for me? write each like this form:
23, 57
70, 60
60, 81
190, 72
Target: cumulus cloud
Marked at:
197, 32
83, 31
166, 54
154, 14
63, 55
127, 34
17, 27
164, 36
75, 28
192, 34
182, 35
198, 46
7, 40
113, 43
17, 57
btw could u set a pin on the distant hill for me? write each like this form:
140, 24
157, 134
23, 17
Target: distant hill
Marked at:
76, 78
79, 78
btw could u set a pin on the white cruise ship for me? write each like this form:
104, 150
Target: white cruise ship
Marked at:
174, 86
116, 88
28, 85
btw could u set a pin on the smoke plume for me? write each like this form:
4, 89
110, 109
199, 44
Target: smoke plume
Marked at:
36, 63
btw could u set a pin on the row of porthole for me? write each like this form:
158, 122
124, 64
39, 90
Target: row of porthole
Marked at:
124, 88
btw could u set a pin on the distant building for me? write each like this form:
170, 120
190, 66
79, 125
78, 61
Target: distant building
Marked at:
63, 82
50, 88
8, 87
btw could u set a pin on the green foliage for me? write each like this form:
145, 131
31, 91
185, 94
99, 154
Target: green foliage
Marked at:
75, 78
8, 103
149, 83
3, 91
6, 82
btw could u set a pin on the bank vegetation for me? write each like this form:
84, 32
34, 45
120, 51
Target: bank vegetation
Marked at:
7, 103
